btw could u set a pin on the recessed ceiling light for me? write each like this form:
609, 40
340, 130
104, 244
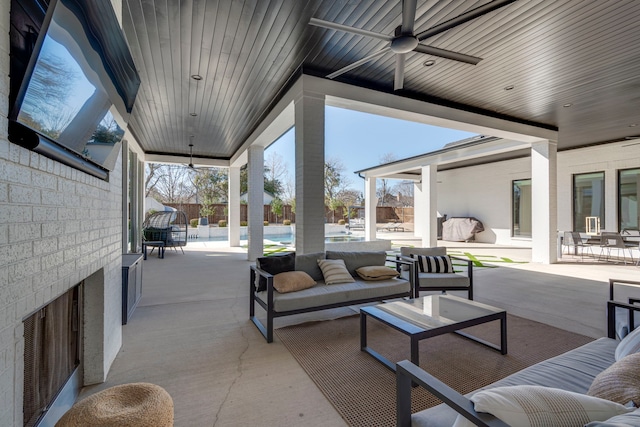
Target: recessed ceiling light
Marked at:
194, 114
429, 63
510, 87
632, 125
567, 105
196, 77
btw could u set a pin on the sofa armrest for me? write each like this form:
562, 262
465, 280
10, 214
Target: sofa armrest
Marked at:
612, 282
611, 316
408, 373
469, 264
255, 271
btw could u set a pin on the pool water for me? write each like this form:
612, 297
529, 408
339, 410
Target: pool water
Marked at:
287, 239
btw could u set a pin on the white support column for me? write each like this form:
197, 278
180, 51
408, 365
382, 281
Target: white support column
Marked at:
233, 206
429, 210
418, 211
309, 143
544, 210
370, 203
255, 200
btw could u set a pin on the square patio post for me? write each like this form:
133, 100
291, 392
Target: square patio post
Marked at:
429, 209
233, 206
370, 203
255, 201
309, 143
544, 209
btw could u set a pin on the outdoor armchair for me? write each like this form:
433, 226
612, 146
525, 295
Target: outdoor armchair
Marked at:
433, 280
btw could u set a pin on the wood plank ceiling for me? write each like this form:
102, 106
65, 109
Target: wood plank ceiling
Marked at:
571, 64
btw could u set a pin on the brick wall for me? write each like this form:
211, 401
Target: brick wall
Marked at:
58, 226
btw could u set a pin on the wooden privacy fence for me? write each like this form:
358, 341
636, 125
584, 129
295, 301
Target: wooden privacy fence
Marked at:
383, 213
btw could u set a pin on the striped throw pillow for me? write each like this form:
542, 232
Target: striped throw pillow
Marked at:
434, 264
335, 271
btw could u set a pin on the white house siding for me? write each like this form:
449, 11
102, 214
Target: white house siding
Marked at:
58, 226
484, 191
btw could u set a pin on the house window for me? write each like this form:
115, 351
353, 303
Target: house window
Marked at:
588, 199
628, 192
521, 208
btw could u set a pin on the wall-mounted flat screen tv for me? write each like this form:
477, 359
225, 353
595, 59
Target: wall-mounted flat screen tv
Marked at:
78, 88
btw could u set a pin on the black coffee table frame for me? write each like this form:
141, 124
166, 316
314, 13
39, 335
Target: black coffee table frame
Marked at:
417, 333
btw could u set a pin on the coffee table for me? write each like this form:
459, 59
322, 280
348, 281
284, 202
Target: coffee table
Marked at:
430, 316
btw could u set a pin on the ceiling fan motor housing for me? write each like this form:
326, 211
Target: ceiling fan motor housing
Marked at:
404, 44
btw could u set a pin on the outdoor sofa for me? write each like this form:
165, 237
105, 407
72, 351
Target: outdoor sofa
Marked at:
574, 371
321, 296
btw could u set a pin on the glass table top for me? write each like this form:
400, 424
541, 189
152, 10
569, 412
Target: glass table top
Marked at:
435, 311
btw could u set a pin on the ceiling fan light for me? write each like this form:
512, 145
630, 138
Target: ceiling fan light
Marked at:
429, 63
196, 77
567, 105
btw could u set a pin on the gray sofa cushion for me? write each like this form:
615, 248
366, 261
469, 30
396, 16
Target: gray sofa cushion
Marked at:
309, 264
572, 371
355, 260
624, 420
426, 280
323, 294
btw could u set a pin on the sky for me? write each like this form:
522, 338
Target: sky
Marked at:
360, 140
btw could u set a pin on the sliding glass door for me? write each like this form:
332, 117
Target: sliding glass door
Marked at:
521, 208
588, 199
628, 191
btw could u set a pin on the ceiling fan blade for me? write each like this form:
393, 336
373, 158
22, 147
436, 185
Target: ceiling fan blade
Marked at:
340, 27
358, 63
398, 82
408, 15
448, 54
465, 17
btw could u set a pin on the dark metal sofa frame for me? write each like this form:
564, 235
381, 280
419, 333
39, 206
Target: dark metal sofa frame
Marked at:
267, 330
407, 374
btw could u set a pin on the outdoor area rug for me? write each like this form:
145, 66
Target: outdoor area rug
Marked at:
363, 391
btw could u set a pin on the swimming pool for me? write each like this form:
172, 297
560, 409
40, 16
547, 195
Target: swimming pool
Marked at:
289, 238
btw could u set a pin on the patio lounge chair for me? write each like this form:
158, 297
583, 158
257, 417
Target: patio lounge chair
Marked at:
392, 226
435, 281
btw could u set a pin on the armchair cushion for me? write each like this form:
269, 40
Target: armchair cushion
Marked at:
438, 280
629, 344
433, 264
620, 382
407, 251
537, 406
274, 265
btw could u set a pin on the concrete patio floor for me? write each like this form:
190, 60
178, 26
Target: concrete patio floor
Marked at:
191, 333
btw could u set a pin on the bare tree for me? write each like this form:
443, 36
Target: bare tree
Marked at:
384, 189
175, 185
404, 190
275, 169
335, 180
153, 173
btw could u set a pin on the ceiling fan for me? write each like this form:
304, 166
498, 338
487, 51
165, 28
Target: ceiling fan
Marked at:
405, 39
190, 165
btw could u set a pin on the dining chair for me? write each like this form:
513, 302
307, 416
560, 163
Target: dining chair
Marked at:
611, 240
578, 242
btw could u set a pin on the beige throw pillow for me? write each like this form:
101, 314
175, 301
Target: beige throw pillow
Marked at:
620, 382
537, 406
335, 271
376, 272
291, 281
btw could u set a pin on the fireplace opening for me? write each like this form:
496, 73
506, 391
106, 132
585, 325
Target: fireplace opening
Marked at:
51, 353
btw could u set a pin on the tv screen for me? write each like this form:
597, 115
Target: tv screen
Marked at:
79, 87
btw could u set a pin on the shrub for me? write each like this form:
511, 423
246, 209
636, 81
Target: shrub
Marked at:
193, 223
286, 222
341, 222
243, 223
222, 223
266, 223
